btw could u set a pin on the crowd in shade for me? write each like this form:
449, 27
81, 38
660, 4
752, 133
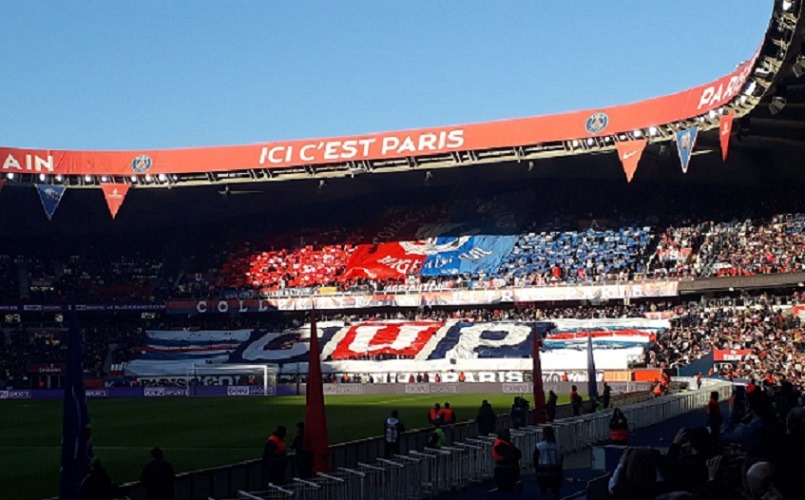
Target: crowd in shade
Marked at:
768, 338
560, 251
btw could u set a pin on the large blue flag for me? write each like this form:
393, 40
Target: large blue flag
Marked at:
76, 446
592, 385
467, 255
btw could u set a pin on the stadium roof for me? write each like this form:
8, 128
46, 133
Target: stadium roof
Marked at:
763, 86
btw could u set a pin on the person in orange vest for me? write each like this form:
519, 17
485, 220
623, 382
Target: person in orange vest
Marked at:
275, 457
461, 377
435, 415
699, 380
507, 461
447, 414
714, 419
564, 376
618, 428
657, 390
666, 381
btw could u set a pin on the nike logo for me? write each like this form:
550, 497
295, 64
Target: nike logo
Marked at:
628, 155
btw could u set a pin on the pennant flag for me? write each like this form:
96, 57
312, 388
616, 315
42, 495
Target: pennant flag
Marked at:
50, 196
724, 133
114, 194
540, 415
315, 439
2, 181
629, 153
685, 141
76, 446
592, 385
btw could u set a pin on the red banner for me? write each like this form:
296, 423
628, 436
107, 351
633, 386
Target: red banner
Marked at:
420, 142
724, 132
629, 153
403, 339
114, 195
387, 261
730, 354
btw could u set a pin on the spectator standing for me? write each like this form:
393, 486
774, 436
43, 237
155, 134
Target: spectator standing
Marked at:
606, 396
97, 485
714, 419
548, 463
275, 456
485, 419
437, 438
391, 436
575, 401
517, 414
448, 416
550, 405
507, 461
303, 459
158, 477
699, 381
435, 415
618, 428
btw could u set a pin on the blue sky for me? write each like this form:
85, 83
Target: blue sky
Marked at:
154, 74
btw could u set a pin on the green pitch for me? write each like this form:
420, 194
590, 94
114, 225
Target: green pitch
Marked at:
195, 433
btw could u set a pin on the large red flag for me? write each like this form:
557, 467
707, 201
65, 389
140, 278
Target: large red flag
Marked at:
315, 418
539, 392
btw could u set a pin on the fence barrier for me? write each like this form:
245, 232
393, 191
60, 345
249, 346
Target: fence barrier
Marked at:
359, 471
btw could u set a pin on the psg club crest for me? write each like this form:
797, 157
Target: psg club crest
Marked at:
141, 164
597, 122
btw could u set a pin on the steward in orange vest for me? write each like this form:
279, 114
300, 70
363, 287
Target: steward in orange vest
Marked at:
275, 457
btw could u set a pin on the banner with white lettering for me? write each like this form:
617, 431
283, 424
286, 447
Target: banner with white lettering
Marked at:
392, 339
51, 197
286, 346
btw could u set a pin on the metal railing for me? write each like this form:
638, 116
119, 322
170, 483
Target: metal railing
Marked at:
463, 443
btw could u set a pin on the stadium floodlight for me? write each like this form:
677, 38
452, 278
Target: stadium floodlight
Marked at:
87, 178
162, 177
638, 133
43, 177
777, 104
104, 178
148, 178
575, 143
787, 4
652, 131
799, 66
59, 178
10, 175
750, 88
591, 142
134, 179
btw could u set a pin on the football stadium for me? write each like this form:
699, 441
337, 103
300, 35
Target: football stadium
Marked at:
176, 313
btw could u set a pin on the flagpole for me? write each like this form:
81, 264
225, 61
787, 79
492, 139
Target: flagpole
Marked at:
315, 438
540, 416
76, 449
